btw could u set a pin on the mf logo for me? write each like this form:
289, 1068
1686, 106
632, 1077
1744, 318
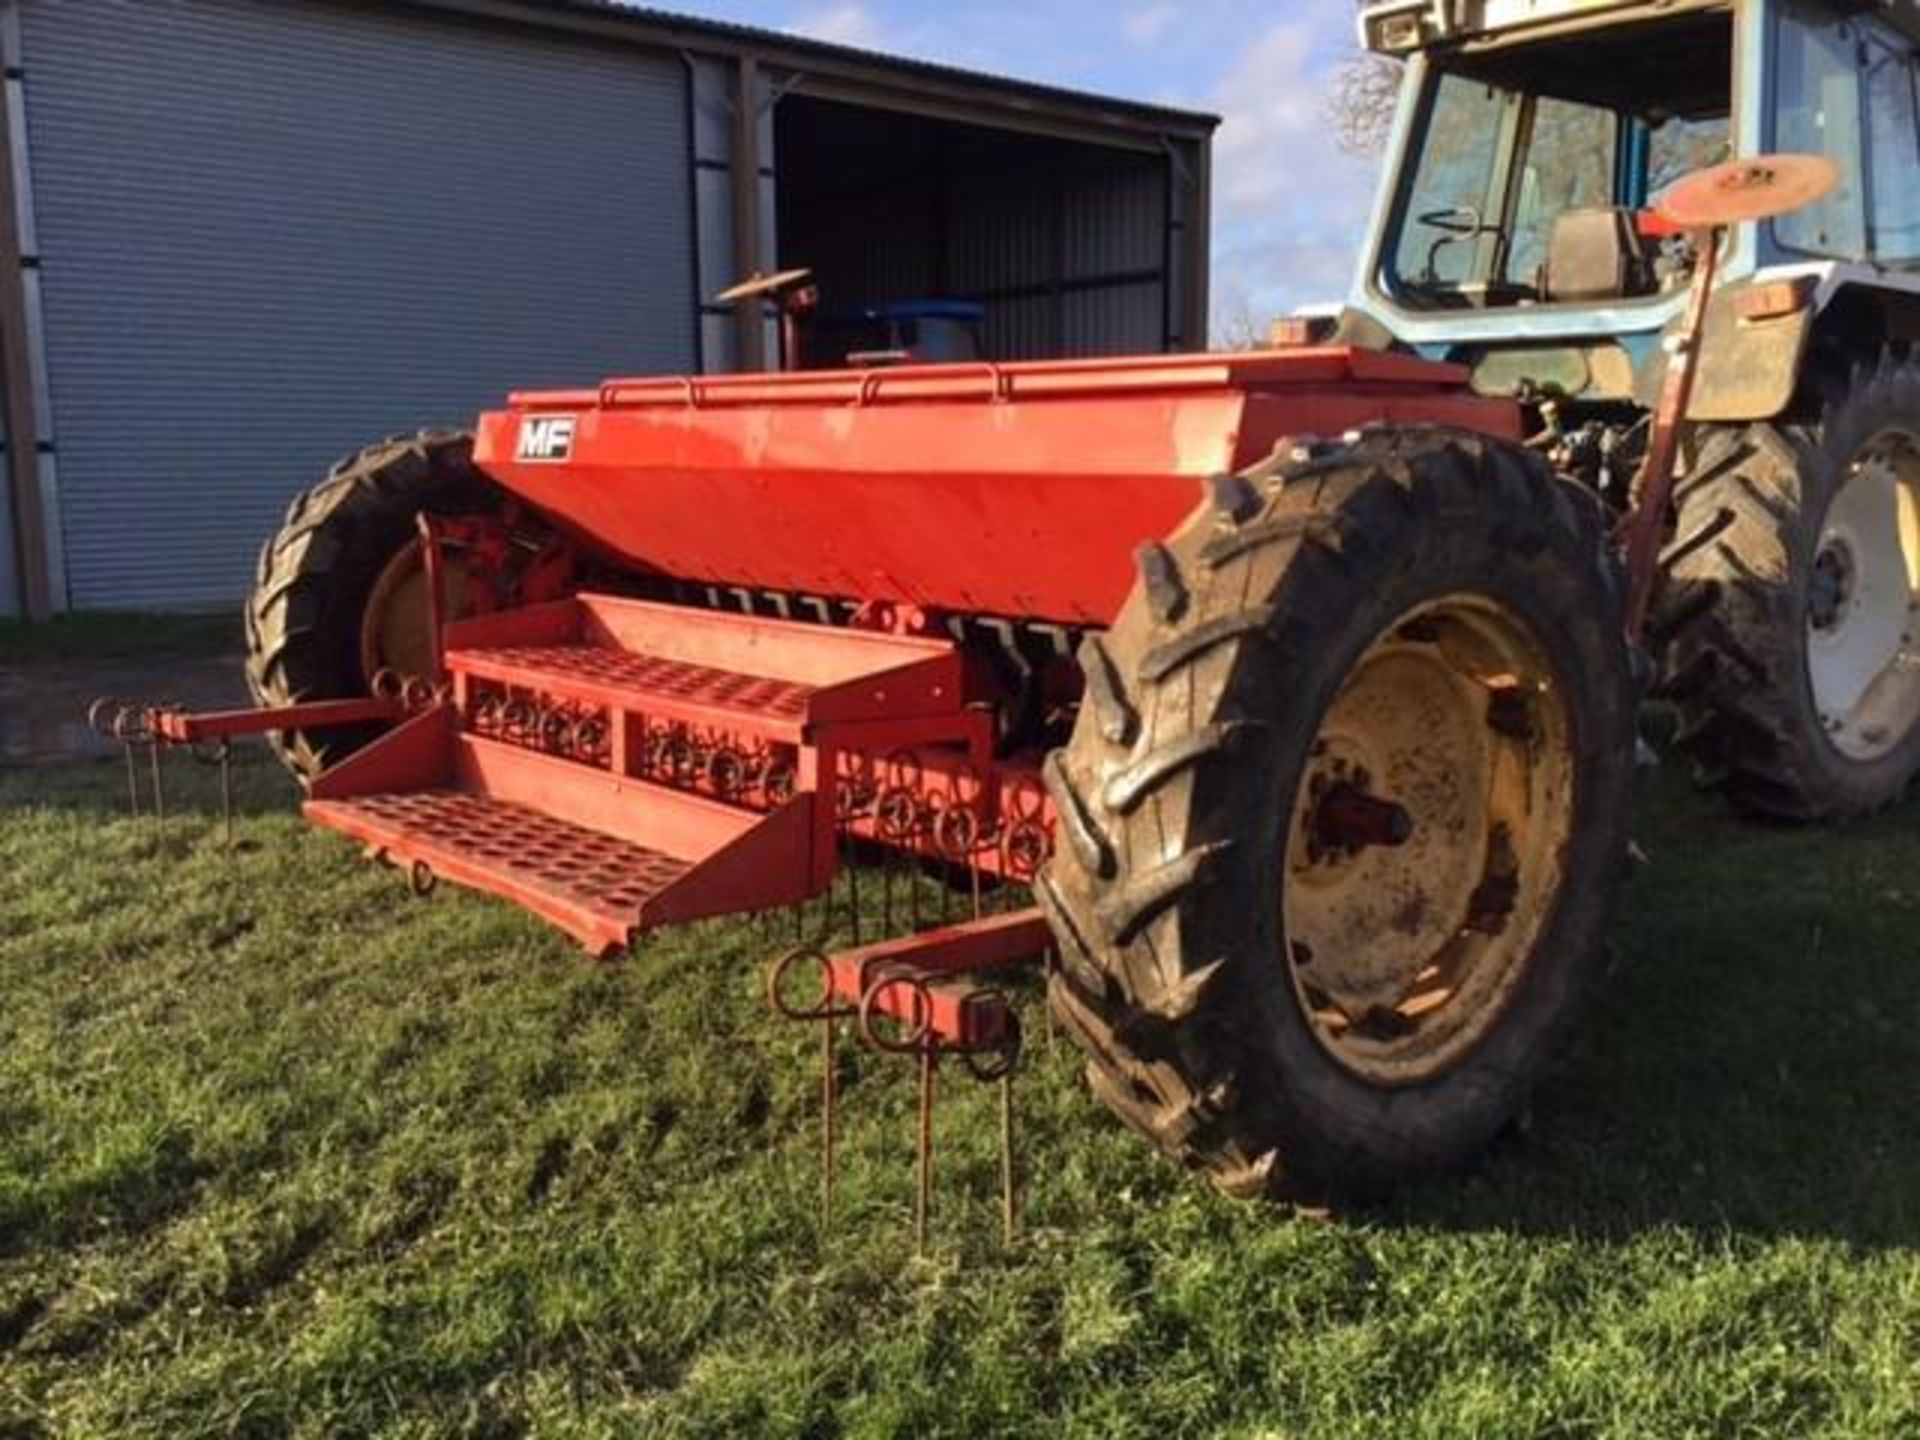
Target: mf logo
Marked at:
546, 438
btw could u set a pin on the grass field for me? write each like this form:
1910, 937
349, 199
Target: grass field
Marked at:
284, 1150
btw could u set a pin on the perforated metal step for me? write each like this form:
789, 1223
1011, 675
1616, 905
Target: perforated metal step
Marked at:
621, 679
590, 884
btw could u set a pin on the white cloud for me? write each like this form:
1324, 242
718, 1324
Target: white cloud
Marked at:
1148, 23
847, 24
1275, 147
1290, 209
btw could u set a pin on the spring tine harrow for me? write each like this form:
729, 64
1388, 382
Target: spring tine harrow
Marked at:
910, 998
209, 736
910, 1028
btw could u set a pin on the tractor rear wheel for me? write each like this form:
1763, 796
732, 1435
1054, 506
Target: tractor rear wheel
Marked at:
1344, 812
1791, 608
340, 592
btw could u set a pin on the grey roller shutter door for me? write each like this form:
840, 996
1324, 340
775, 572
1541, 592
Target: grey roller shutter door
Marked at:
274, 230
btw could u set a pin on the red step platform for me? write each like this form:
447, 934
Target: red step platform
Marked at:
591, 838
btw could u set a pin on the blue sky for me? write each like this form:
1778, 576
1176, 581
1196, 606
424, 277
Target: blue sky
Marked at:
1289, 208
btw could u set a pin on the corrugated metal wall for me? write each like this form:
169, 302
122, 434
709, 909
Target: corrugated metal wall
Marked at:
1067, 245
10, 600
272, 230
1071, 261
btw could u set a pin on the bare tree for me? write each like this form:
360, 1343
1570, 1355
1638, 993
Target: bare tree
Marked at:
1366, 90
1237, 324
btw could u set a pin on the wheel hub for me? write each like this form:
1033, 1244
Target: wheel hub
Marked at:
1863, 595
1426, 845
1347, 820
395, 629
1831, 593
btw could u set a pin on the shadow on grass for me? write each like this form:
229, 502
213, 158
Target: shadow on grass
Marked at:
1746, 1069
1749, 1062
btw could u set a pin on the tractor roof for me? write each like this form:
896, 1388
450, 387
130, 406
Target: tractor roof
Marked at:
1399, 27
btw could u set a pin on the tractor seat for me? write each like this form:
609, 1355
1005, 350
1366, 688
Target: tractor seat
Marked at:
1596, 255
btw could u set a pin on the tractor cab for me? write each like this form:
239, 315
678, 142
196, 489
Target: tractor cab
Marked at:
1515, 232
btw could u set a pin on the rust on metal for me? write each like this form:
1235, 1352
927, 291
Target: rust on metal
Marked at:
912, 996
1740, 190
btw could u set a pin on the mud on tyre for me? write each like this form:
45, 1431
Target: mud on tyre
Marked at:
1344, 812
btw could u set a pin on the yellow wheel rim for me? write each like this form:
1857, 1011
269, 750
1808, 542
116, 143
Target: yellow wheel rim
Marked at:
394, 628
1428, 839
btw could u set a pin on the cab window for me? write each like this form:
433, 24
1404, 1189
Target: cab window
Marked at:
1528, 164
1454, 189
1893, 149
1569, 163
1817, 112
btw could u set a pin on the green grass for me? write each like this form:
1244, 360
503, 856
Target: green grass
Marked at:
119, 636
283, 1150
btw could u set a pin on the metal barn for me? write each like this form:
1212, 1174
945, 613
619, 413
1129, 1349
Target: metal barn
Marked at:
239, 238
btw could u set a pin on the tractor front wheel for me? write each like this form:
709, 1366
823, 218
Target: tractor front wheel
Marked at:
1344, 812
340, 592
1791, 613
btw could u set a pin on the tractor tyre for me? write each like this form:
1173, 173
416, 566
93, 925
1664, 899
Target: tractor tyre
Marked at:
1344, 813
339, 593
1787, 620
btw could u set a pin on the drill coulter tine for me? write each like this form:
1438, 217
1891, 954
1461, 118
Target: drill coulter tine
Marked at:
908, 1031
923, 1172
1048, 964
107, 719
1009, 1163
159, 793
226, 793
827, 1014
956, 836
997, 1066
850, 862
829, 1114
133, 779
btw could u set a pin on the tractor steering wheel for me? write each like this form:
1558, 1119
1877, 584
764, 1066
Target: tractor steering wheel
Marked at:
1461, 220
1456, 223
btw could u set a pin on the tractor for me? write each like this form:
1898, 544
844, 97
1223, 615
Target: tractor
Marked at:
1514, 238
1299, 688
